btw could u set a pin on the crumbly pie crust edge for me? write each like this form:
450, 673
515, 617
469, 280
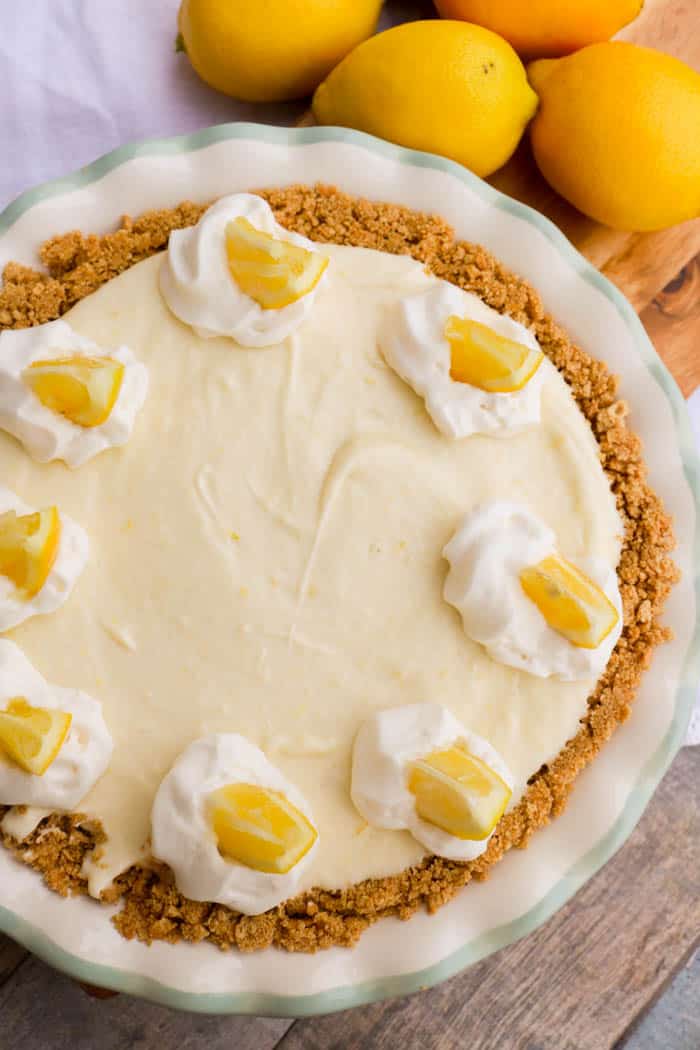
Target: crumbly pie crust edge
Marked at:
151, 908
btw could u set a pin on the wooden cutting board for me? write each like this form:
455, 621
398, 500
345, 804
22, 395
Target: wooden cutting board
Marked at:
642, 265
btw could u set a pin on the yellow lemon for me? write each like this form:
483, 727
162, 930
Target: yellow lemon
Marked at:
83, 389
260, 828
571, 603
458, 792
28, 548
617, 133
445, 87
271, 51
546, 28
31, 737
273, 272
484, 359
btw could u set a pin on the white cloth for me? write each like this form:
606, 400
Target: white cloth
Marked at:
81, 77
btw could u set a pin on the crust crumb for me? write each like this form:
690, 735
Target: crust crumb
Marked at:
152, 908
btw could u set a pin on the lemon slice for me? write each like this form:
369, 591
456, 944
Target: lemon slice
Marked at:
83, 389
458, 793
570, 602
486, 360
28, 548
32, 736
259, 828
271, 271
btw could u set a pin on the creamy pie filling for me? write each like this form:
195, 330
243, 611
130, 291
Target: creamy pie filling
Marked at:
265, 559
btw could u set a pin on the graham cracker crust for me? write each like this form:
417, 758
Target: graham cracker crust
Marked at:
151, 906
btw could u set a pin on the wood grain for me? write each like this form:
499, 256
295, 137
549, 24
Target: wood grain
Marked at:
667, 25
581, 980
11, 955
673, 1023
644, 263
672, 321
41, 1009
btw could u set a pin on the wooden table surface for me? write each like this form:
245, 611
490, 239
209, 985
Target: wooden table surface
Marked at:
610, 969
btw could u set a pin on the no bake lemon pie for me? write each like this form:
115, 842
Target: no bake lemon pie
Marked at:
326, 563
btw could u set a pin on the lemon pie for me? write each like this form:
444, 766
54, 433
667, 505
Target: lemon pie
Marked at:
373, 568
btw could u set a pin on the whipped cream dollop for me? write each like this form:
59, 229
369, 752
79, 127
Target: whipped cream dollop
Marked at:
494, 543
182, 835
412, 340
84, 755
71, 559
385, 747
45, 434
197, 285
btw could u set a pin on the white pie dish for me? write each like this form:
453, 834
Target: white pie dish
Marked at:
526, 887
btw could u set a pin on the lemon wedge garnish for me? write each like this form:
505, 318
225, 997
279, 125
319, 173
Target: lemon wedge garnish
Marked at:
28, 548
271, 271
458, 793
32, 736
83, 389
259, 828
484, 359
570, 602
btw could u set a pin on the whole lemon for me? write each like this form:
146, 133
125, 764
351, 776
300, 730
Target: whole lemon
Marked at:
542, 28
617, 134
445, 87
271, 50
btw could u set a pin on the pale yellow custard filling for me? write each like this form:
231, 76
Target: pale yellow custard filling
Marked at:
266, 558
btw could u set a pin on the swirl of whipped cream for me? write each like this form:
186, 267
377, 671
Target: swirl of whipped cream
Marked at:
182, 835
494, 543
47, 435
385, 746
412, 339
71, 559
197, 285
85, 753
